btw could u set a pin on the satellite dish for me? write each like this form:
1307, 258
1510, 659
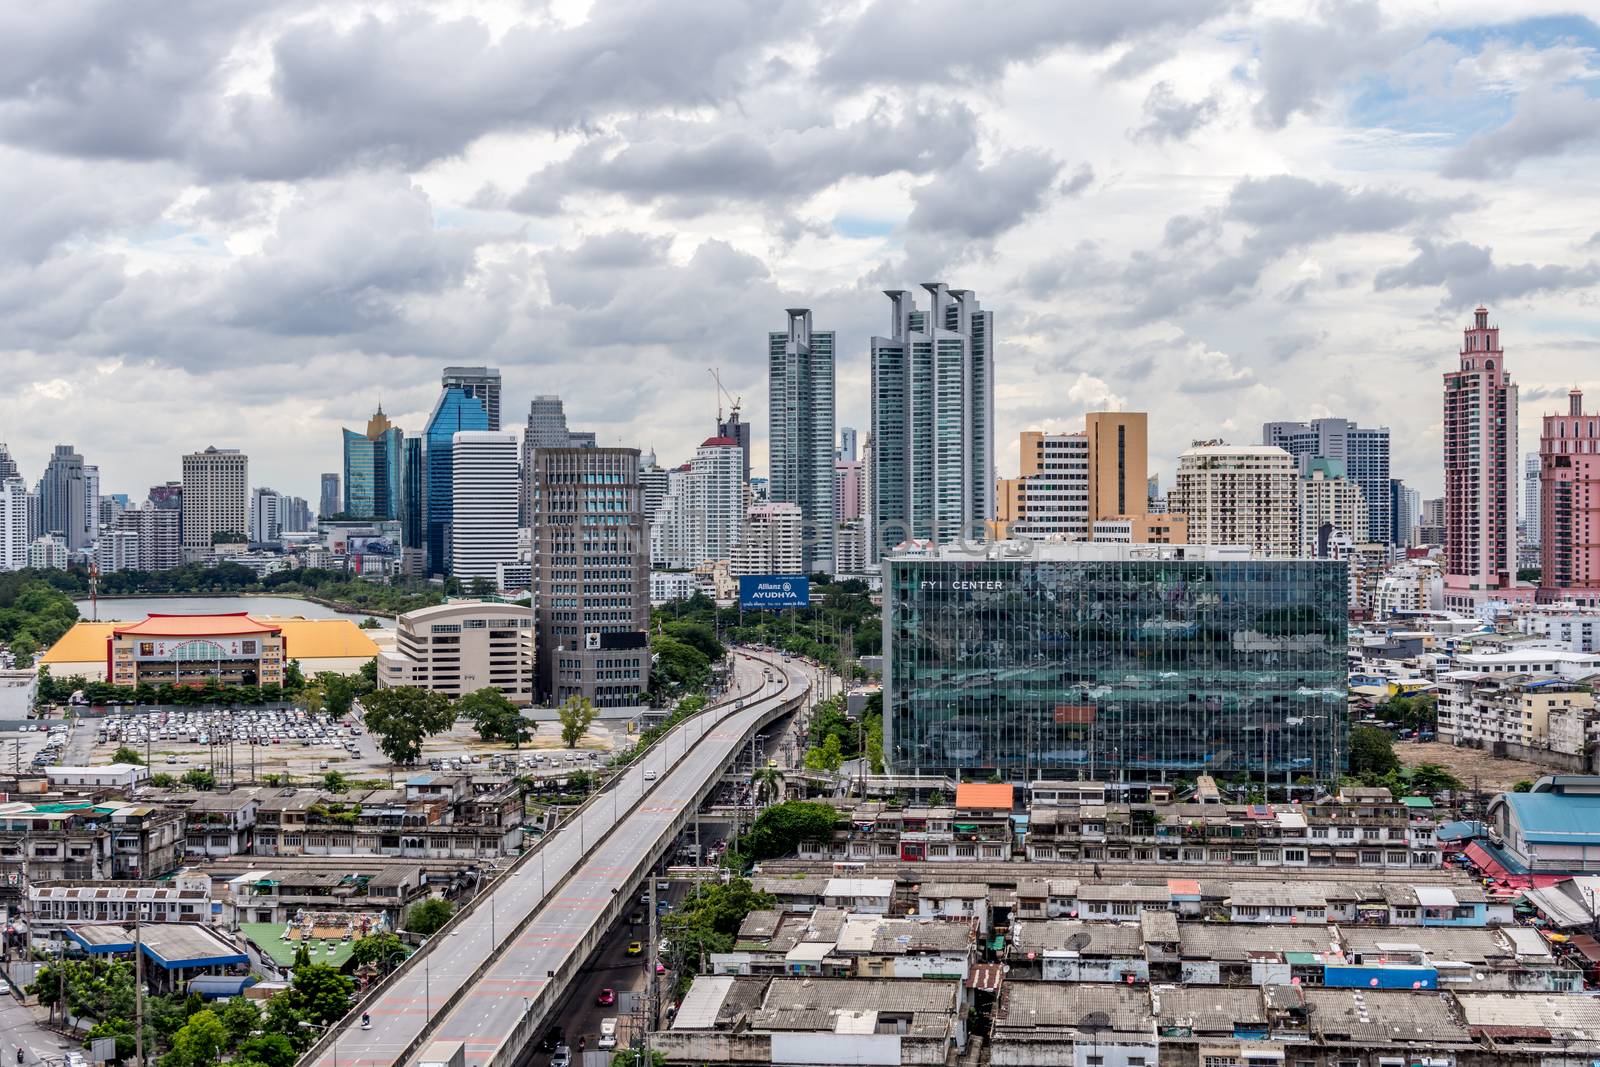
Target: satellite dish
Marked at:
1095, 1022
1077, 943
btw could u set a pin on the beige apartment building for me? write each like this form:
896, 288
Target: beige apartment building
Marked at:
463, 647
1239, 495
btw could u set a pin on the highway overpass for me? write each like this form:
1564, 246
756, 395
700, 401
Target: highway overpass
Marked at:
494, 975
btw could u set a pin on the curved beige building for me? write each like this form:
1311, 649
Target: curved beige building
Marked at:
462, 647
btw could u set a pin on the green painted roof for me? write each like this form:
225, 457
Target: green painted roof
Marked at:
1417, 802
269, 939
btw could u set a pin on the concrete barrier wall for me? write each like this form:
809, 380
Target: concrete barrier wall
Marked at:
353, 1016
543, 1004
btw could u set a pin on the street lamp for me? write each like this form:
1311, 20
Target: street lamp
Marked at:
313, 1026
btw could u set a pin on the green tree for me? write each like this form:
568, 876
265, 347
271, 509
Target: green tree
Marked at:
678, 667
339, 692
200, 1041
124, 754
163, 780
698, 635
708, 919
1429, 778
1525, 785
319, 993
828, 756
576, 714
240, 1017
265, 1050
429, 916
199, 778
294, 679
401, 718
335, 782
495, 717
1372, 752
768, 784
382, 950
779, 829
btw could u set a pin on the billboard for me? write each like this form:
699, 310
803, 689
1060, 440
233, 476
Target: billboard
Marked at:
774, 591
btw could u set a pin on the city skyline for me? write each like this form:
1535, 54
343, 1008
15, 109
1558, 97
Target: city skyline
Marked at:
1285, 220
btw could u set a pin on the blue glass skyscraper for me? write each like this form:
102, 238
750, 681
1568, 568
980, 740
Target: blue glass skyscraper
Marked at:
455, 411
372, 470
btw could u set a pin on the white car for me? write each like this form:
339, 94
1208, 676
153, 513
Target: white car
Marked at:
562, 1057
649, 776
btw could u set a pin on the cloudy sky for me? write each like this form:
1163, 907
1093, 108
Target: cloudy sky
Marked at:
246, 223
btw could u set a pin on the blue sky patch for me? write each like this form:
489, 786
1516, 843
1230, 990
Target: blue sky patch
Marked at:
855, 226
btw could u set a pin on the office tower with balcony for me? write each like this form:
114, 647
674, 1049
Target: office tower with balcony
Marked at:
1239, 495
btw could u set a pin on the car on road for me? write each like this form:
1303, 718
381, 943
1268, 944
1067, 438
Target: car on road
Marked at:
649, 776
562, 1057
635, 918
635, 948
607, 997
552, 1039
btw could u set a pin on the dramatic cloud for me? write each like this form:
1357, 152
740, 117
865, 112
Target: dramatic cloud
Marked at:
246, 223
1546, 123
1470, 276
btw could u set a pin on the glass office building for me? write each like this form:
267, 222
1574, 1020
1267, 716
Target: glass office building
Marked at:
1132, 663
454, 411
373, 462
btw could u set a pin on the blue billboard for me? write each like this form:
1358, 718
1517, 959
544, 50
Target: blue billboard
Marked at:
774, 591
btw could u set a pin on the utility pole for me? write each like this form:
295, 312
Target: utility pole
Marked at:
138, 989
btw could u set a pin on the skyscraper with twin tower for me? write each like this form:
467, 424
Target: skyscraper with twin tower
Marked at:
932, 420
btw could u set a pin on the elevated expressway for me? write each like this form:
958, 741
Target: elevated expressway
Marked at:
493, 976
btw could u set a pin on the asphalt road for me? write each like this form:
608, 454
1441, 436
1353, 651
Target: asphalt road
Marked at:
22, 1029
488, 1011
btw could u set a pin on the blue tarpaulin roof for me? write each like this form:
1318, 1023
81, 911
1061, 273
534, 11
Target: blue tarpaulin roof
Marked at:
212, 986
1553, 818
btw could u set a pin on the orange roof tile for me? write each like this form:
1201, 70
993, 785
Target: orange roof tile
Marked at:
227, 625
987, 795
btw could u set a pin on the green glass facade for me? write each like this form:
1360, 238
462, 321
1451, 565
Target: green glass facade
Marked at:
1119, 669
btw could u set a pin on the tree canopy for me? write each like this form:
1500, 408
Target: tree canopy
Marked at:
427, 917
402, 717
576, 714
1372, 752
495, 716
779, 829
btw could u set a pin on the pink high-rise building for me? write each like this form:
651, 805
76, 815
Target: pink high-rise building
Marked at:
847, 486
1569, 505
1480, 472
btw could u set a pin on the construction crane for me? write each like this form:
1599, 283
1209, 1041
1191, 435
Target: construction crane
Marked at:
733, 401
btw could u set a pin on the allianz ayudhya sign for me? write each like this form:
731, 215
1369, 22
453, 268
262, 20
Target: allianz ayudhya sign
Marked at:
774, 591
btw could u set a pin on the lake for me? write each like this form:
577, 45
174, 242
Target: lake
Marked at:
135, 608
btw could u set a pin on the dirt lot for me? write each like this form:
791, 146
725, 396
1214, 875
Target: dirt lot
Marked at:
1493, 774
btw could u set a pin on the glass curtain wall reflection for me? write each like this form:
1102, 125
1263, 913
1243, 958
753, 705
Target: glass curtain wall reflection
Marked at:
1130, 668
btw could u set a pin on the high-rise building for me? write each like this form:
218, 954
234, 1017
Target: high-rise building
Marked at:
14, 537
483, 526
1532, 498
1405, 507
1480, 473
266, 516
592, 571
455, 411
847, 489
480, 383
933, 420
1133, 663
1333, 510
671, 526
8, 465
1569, 505
156, 533
1071, 481
772, 541
1050, 498
847, 444
414, 507
547, 428
91, 503
1364, 453
800, 391
62, 496
1430, 524
294, 513
216, 498
1239, 495
35, 515
653, 484
373, 462
700, 516
738, 430
117, 550
48, 552
329, 504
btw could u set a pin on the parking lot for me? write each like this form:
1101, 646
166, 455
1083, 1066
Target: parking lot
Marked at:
255, 742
